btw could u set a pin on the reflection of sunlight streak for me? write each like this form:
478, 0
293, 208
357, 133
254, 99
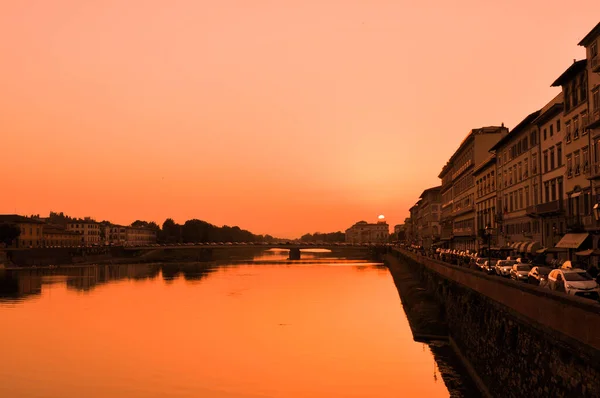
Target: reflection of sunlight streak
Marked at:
281, 250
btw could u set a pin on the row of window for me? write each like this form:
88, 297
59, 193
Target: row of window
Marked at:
464, 203
578, 162
553, 158
519, 148
517, 172
486, 184
464, 225
553, 189
551, 129
89, 226
464, 183
528, 227
575, 92
574, 128
462, 162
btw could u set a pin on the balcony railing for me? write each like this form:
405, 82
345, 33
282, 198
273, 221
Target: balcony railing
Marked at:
531, 210
593, 118
554, 207
463, 210
593, 172
467, 231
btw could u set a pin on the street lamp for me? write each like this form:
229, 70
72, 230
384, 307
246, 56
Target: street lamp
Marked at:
488, 233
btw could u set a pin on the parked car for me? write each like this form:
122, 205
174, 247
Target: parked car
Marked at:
520, 272
538, 276
489, 267
503, 267
478, 263
575, 282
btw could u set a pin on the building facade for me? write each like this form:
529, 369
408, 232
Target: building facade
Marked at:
458, 187
591, 42
550, 211
573, 82
518, 186
55, 236
430, 204
363, 232
485, 202
139, 236
32, 230
88, 229
115, 234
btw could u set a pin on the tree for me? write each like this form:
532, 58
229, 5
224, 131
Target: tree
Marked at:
171, 232
8, 233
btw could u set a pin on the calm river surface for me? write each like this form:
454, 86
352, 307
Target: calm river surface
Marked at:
317, 328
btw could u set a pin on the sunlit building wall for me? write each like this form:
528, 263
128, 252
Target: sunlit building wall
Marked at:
458, 187
363, 232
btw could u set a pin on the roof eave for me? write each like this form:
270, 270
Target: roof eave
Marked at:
590, 36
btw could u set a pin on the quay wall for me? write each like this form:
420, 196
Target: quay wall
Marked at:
519, 339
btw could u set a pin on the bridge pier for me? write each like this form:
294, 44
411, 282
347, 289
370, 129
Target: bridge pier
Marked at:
294, 254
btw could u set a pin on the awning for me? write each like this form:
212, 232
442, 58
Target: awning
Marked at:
514, 245
523, 247
533, 247
556, 250
542, 250
575, 194
588, 252
572, 241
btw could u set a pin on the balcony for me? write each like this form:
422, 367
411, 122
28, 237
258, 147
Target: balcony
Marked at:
463, 210
531, 210
468, 231
593, 172
592, 120
549, 208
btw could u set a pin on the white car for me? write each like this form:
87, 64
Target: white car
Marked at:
520, 272
575, 282
503, 267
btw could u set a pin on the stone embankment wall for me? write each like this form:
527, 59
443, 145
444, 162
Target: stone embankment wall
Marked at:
521, 340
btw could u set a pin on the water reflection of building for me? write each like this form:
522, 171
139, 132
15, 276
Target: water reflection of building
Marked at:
14, 286
19, 284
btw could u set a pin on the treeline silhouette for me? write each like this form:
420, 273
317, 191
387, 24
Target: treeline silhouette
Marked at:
191, 231
324, 237
201, 231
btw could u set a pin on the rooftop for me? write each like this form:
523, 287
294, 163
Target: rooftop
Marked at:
432, 189
58, 230
573, 70
490, 160
517, 129
471, 134
17, 219
590, 36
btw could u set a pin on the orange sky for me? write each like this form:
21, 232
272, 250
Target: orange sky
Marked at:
282, 117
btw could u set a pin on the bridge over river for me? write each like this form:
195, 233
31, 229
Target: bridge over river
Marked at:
294, 248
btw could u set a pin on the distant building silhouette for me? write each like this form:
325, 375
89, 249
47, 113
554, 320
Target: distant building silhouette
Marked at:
363, 232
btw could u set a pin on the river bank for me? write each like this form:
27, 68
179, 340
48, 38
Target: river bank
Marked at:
427, 322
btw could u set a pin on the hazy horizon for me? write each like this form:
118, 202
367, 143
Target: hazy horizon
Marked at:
281, 118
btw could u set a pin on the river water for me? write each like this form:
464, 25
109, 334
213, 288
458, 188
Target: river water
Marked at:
318, 327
